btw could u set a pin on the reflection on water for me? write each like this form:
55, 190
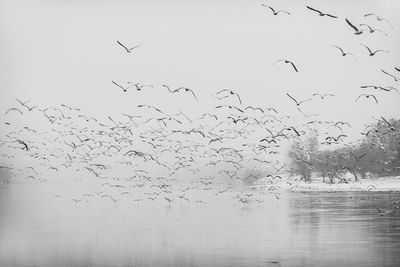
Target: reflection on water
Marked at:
301, 229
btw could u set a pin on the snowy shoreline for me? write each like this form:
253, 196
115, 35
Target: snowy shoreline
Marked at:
375, 184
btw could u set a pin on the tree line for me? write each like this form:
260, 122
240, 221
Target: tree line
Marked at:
377, 154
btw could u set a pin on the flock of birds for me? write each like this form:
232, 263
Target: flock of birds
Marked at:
155, 155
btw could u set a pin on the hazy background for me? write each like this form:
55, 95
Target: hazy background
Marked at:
56, 52
66, 52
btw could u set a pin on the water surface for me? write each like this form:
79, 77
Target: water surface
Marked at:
38, 228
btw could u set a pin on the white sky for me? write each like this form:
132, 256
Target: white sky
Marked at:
55, 52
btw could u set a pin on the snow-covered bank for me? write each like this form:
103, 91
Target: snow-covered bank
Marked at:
294, 185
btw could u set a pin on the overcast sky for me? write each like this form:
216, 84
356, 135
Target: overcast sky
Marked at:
55, 52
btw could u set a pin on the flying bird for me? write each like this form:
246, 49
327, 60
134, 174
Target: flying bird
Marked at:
228, 106
24, 144
14, 109
372, 53
21, 102
321, 13
367, 96
356, 30
287, 62
139, 86
358, 158
375, 87
168, 88
396, 79
151, 107
379, 18
276, 12
120, 86
372, 30
298, 103
391, 126
186, 90
391, 88
323, 96
254, 108
342, 51
231, 93
384, 213
128, 50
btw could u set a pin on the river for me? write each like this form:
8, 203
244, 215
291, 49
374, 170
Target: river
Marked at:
41, 228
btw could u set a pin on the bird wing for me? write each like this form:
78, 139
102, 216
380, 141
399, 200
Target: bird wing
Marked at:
367, 48
314, 9
363, 155
378, 30
338, 48
193, 94
294, 129
397, 69
239, 109
14, 109
120, 86
392, 88
386, 121
332, 16
306, 100
370, 28
351, 25
169, 89
223, 91
379, 50
136, 46
273, 10
122, 45
239, 98
359, 97
284, 11
280, 60
176, 90
294, 66
22, 103
292, 98
370, 14
376, 100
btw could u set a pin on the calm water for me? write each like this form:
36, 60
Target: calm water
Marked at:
38, 228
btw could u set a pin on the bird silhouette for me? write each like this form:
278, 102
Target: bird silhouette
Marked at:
276, 12
298, 103
186, 90
384, 213
372, 53
323, 96
128, 50
14, 109
321, 13
356, 30
372, 30
287, 62
396, 79
125, 89
367, 96
379, 18
342, 51
231, 93
230, 107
